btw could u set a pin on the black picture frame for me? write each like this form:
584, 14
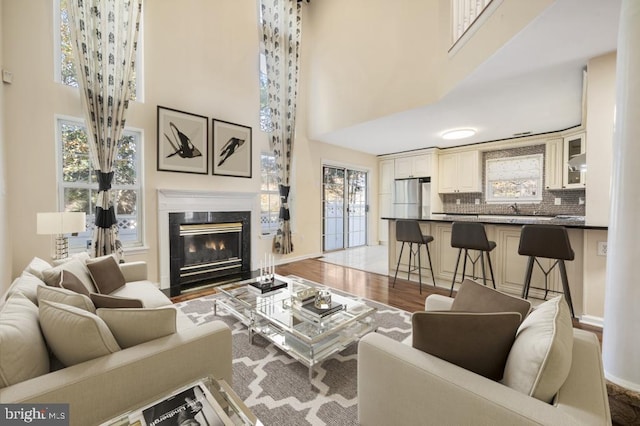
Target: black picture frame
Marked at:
232, 152
183, 141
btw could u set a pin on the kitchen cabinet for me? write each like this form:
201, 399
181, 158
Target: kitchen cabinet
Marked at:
459, 172
558, 152
385, 197
573, 146
554, 153
413, 166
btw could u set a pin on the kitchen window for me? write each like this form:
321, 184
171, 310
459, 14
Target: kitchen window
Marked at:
514, 179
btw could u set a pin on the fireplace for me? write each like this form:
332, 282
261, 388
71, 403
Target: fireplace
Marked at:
207, 247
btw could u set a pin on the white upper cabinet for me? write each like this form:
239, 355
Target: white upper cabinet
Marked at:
459, 172
413, 166
574, 146
553, 164
558, 174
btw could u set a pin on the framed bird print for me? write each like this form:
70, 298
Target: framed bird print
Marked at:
183, 142
231, 149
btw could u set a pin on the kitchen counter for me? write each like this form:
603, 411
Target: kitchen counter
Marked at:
515, 220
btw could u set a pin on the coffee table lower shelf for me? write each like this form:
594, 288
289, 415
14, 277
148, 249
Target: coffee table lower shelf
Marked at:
312, 354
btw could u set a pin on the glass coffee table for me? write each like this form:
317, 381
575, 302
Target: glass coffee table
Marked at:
307, 336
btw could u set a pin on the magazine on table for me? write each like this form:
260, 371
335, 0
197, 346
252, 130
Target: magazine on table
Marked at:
192, 405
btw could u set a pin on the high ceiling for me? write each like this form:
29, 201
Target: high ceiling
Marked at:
532, 84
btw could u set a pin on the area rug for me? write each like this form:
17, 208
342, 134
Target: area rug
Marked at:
276, 387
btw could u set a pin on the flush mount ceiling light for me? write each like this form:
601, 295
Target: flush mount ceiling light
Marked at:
458, 134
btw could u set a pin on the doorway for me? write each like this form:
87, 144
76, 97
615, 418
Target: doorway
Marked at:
344, 208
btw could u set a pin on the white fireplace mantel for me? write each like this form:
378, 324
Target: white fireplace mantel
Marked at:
176, 200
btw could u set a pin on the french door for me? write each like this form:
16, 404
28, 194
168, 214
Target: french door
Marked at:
344, 208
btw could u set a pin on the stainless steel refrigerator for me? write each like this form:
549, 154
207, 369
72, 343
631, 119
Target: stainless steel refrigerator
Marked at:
412, 198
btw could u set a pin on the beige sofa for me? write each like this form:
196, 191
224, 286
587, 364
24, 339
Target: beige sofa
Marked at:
101, 388
398, 384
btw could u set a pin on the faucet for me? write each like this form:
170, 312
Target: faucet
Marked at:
514, 207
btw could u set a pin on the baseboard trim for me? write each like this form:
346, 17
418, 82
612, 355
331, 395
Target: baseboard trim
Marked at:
284, 261
592, 320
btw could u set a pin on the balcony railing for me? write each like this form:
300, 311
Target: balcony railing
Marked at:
464, 13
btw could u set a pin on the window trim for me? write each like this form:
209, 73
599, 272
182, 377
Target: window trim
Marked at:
140, 243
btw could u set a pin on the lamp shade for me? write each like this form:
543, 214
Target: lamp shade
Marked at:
61, 223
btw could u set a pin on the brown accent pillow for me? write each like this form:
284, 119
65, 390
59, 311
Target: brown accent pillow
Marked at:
478, 342
70, 282
111, 302
106, 275
474, 297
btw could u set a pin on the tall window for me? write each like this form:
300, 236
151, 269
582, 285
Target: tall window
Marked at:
66, 70
78, 187
265, 117
269, 195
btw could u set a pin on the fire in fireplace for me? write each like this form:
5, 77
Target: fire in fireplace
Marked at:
206, 247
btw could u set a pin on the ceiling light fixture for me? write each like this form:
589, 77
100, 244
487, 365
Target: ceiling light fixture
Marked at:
458, 134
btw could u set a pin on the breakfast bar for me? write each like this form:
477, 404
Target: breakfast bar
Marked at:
509, 267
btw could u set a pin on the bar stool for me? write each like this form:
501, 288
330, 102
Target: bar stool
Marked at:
550, 242
471, 236
408, 231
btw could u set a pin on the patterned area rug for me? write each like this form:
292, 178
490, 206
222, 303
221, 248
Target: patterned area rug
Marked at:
276, 387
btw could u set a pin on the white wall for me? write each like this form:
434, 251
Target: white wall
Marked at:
5, 252
601, 98
200, 56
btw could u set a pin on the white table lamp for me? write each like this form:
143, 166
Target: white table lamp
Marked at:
58, 224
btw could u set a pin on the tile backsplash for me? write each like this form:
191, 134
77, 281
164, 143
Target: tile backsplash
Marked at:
570, 200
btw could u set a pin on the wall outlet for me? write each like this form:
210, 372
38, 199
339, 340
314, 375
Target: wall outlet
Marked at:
602, 248
458, 201
477, 201
581, 201
557, 201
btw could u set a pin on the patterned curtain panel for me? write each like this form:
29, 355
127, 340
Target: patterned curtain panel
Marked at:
104, 34
281, 33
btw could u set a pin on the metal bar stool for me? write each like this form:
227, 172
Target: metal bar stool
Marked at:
408, 231
471, 236
550, 242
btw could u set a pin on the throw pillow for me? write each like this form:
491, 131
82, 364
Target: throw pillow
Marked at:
36, 266
112, 302
134, 326
106, 275
66, 297
76, 267
83, 256
540, 359
474, 297
26, 284
479, 342
23, 352
70, 282
75, 335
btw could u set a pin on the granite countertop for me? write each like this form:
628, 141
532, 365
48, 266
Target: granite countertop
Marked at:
501, 219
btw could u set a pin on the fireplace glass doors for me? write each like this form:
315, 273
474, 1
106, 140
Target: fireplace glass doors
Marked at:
207, 246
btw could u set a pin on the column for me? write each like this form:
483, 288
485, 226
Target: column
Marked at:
621, 340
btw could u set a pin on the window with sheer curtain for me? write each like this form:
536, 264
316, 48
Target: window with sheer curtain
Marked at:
78, 188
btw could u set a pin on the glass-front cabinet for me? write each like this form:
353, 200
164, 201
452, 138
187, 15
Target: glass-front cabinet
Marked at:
574, 167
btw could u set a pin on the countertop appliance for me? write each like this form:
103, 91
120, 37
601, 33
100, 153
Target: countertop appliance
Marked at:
412, 198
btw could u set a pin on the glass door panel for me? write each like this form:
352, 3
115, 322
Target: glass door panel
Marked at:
344, 204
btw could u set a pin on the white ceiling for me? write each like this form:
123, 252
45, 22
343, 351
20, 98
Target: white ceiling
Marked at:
532, 84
